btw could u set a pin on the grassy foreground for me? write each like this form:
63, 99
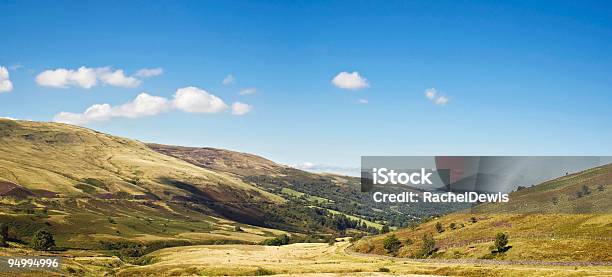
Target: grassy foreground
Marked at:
317, 258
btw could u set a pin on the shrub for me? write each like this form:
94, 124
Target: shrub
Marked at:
384, 269
501, 240
439, 227
600, 188
583, 192
409, 242
473, 219
238, 229
42, 240
384, 230
428, 247
453, 226
262, 272
277, 241
392, 244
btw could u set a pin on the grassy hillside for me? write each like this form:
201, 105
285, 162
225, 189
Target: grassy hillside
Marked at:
88, 187
328, 191
555, 221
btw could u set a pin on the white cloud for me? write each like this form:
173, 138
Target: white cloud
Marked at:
305, 165
95, 113
143, 105
441, 101
149, 72
189, 99
432, 95
241, 108
228, 80
116, 78
350, 81
195, 100
5, 83
321, 168
362, 101
247, 91
86, 77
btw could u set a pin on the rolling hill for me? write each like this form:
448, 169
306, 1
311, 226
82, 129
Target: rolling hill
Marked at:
87, 187
565, 219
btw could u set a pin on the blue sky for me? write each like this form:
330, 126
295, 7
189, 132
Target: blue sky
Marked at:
516, 77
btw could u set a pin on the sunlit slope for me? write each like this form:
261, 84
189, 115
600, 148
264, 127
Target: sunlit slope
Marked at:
75, 161
583, 192
558, 220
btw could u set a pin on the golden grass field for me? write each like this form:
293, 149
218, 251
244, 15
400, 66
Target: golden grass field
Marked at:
317, 258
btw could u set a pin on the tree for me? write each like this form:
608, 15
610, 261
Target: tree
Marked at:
385, 229
392, 244
3, 234
501, 240
42, 240
439, 227
428, 247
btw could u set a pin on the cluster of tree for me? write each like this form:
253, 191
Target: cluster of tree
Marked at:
277, 241
42, 240
346, 198
392, 245
4, 236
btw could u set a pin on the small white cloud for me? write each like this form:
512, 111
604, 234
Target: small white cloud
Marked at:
247, 91
241, 108
431, 94
305, 165
441, 101
149, 72
195, 100
5, 82
228, 80
350, 81
116, 78
362, 101
85, 77
6, 117
321, 168
143, 105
